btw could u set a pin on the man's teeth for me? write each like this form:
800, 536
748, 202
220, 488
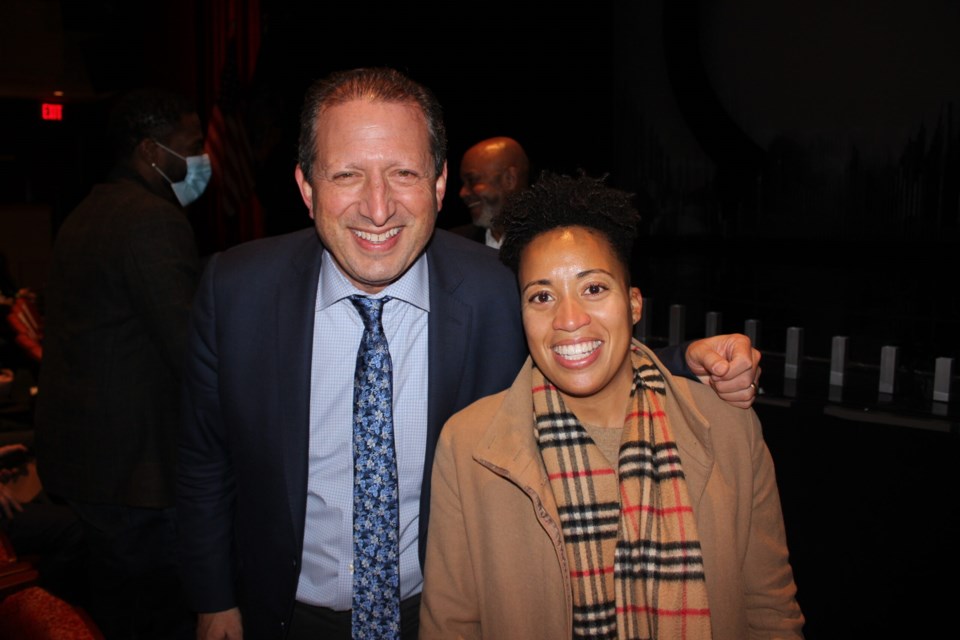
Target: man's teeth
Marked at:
577, 351
377, 237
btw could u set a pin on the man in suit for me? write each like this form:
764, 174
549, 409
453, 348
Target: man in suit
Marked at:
266, 470
490, 171
123, 274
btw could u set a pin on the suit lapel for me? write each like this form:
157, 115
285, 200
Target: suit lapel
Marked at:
295, 303
449, 333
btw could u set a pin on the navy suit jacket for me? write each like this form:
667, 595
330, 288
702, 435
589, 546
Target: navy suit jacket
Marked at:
242, 466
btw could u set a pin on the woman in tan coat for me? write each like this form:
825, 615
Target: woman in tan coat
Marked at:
599, 496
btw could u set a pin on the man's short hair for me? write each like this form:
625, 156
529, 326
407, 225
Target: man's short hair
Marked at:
146, 113
376, 84
557, 201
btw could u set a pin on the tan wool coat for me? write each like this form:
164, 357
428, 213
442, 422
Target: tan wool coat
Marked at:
496, 568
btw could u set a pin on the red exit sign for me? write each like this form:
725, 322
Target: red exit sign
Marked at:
50, 111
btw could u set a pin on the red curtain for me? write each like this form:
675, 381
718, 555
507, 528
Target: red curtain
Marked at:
236, 214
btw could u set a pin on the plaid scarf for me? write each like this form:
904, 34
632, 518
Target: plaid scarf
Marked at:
636, 566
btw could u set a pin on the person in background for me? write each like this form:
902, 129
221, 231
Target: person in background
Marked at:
490, 172
321, 366
123, 273
600, 496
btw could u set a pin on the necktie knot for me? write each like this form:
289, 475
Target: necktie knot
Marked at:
371, 311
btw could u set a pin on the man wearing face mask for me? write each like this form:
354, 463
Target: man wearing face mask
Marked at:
122, 277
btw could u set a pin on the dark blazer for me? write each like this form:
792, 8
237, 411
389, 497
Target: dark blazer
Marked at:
243, 451
123, 273
471, 231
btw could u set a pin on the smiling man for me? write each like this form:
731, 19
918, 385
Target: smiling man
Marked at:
490, 171
272, 486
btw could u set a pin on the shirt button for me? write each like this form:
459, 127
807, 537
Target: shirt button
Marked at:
351, 568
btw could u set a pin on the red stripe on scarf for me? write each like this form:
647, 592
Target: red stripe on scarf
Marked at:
664, 612
656, 511
580, 474
646, 414
592, 572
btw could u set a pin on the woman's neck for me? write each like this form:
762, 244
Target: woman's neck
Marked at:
606, 408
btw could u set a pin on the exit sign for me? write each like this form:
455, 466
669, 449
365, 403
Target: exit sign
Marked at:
50, 111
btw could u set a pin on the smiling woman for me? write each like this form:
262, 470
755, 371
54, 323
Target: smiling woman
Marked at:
578, 315
599, 496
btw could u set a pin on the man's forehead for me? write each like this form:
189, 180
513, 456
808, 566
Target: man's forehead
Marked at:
475, 164
368, 106
400, 120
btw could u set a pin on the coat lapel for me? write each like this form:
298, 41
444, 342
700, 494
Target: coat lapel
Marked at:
449, 334
510, 449
295, 303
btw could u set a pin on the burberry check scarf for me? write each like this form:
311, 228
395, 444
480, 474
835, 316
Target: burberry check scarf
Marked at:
636, 566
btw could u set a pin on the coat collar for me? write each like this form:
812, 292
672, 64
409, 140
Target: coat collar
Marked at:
509, 448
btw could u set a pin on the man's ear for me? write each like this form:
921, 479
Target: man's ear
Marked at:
147, 151
510, 178
306, 191
441, 187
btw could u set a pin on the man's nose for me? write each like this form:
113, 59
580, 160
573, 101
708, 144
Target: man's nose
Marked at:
378, 201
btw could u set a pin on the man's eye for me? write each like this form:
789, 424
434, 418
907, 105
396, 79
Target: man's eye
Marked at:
594, 289
540, 297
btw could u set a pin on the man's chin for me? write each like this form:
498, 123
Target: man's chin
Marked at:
484, 220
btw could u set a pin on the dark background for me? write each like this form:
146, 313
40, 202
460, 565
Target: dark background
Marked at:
796, 163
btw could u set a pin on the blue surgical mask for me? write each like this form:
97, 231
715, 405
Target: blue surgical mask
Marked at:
195, 182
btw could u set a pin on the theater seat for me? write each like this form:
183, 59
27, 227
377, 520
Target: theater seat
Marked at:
36, 614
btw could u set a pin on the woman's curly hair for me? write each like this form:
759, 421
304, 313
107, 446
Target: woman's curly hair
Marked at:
555, 201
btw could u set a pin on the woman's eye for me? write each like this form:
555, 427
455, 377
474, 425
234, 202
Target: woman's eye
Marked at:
540, 297
594, 289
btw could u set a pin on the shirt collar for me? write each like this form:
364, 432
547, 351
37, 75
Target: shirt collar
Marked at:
491, 241
413, 287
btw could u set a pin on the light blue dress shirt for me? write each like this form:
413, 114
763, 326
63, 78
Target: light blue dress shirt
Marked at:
326, 576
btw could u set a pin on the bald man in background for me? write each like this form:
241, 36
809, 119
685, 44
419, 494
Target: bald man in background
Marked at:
490, 171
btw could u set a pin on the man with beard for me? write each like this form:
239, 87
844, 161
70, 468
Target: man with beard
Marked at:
490, 170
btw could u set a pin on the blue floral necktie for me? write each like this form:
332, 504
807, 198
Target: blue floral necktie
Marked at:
376, 511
